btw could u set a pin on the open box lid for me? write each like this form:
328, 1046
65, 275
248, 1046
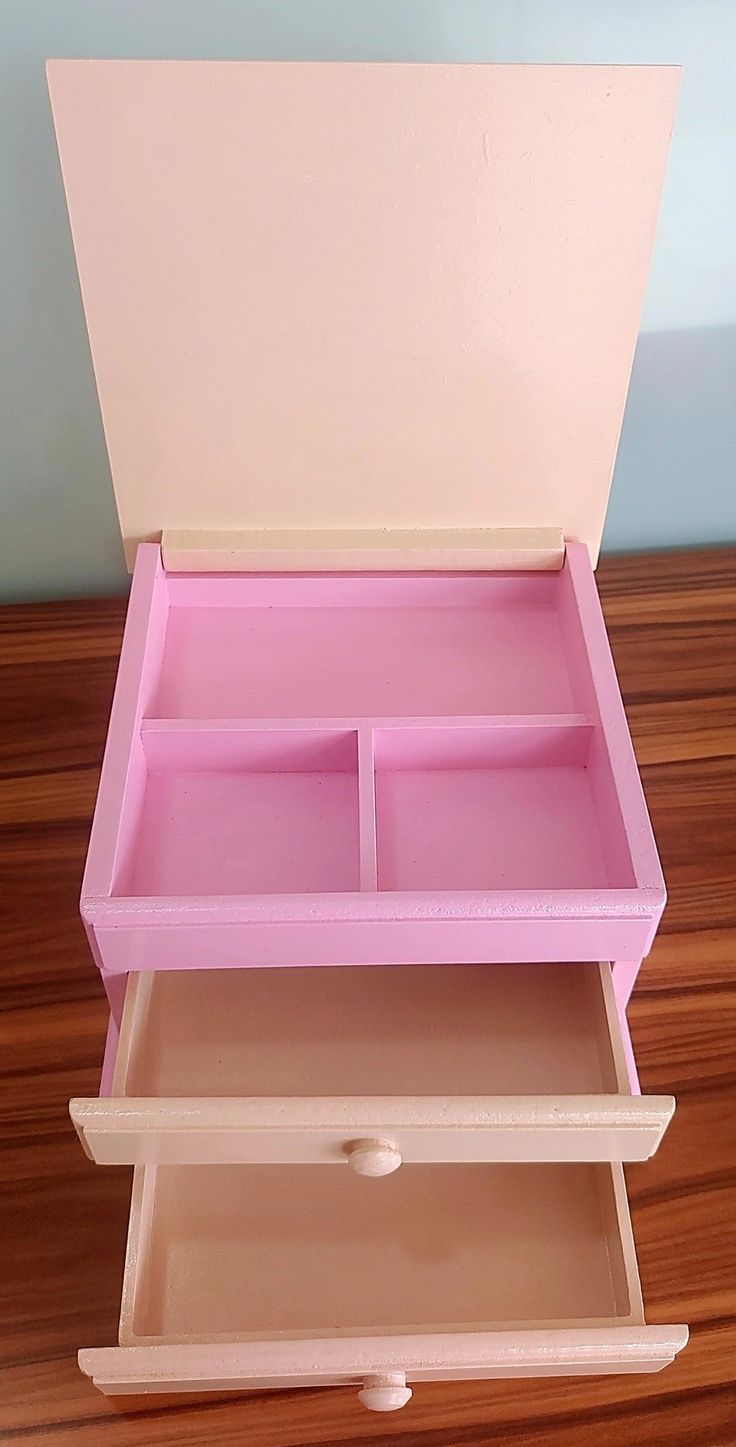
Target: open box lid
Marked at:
361, 296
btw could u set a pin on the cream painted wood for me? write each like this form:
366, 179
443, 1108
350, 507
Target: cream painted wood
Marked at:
385, 1392
442, 1063
361, 296
373, 1158
119, 1371
232, 1276
369, 550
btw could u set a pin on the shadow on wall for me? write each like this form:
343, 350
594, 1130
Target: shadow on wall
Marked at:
675, 478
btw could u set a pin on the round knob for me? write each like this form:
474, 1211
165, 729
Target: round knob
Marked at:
385, 1393
373, 1158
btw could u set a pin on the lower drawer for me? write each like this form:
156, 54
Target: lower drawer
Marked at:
281, 1276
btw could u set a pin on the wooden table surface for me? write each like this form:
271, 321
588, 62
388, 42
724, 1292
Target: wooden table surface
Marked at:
672, 621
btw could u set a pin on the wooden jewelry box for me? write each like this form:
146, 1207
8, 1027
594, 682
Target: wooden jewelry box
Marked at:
362, 337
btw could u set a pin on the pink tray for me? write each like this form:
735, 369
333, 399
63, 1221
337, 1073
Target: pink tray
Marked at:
368, 769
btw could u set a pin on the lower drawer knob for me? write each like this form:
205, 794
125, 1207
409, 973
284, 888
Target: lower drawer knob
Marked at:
373, 1157
385, 1393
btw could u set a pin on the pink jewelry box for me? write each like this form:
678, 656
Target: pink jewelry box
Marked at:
362, 337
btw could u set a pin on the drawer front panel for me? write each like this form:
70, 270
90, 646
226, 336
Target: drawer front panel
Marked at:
208, 1132
449, 1357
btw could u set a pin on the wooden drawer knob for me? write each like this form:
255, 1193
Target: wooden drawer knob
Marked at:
385, 1393
373, 1158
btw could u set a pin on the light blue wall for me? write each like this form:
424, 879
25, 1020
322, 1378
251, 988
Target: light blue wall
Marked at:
675, 479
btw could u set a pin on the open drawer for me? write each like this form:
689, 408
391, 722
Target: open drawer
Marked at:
371, 1066
243, 1276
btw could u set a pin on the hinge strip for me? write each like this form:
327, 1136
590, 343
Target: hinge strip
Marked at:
413, 550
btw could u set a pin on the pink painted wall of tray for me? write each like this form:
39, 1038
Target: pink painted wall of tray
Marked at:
374, 769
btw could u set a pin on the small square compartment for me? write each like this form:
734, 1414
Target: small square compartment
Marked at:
503, 808
243, 812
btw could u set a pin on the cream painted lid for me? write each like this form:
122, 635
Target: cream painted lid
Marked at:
361, 295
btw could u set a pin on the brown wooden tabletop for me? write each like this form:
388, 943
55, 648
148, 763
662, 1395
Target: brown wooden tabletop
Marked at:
672, 621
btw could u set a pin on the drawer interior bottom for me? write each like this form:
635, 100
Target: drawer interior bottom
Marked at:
228, 1252
388, 1030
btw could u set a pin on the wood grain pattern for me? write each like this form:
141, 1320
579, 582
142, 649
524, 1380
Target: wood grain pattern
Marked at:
672, 620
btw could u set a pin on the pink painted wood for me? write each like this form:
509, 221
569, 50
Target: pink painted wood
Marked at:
373, 769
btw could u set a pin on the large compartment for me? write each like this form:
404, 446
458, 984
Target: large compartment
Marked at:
351, 647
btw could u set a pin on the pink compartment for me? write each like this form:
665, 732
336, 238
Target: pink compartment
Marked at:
332, 769
254, 647
493, 808
248, 812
